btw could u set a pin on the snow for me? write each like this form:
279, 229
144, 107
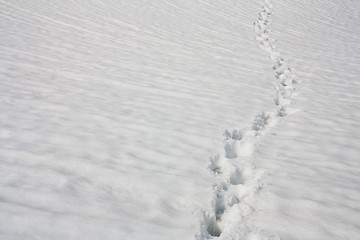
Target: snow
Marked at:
179, 119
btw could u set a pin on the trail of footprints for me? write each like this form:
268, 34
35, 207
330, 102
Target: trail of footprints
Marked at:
284, 74
235, 184
236, 178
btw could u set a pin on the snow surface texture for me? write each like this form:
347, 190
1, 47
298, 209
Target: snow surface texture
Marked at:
109, 111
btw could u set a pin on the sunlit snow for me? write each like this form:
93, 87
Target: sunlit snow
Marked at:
179, 119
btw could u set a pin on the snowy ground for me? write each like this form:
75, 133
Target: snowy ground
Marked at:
179, 119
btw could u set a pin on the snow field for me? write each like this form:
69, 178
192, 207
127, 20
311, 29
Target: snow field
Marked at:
112, 112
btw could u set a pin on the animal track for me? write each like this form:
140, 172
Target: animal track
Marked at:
284, 76
230, 150
217, 164
226, 190
234, 134
213, 228
236, 177
236, 185
261, 120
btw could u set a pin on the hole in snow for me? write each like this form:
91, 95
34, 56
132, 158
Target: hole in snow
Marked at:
236, 177
213, 228
230, 151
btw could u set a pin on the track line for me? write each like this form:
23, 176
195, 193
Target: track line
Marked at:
237, 180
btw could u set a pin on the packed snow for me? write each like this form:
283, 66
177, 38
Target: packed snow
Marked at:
179, 119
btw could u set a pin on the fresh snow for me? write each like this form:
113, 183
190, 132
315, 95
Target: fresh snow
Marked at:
179, 119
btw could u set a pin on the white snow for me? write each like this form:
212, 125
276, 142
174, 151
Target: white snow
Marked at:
179, 119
